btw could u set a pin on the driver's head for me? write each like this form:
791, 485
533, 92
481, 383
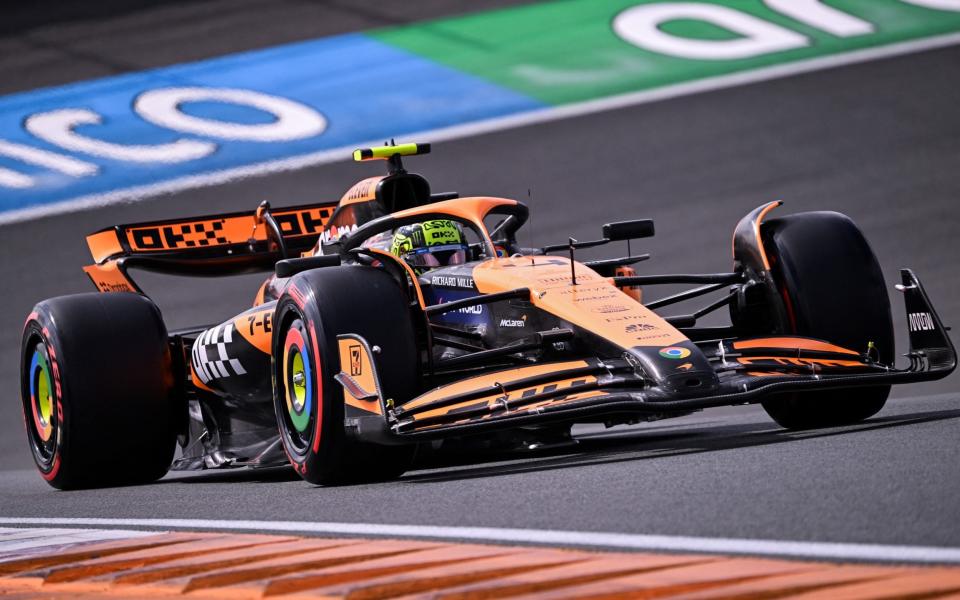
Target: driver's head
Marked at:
430, 244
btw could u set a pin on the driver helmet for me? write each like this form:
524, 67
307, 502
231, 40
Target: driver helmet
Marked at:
430, 244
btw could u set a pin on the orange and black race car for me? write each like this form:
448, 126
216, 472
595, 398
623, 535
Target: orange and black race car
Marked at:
398, 316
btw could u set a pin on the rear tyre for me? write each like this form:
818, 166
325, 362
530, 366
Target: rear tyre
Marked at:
96, 388
832, 288
314, 309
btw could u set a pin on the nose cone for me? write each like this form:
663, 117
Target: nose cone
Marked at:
680, 369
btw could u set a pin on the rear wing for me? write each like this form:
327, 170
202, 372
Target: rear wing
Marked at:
209, 245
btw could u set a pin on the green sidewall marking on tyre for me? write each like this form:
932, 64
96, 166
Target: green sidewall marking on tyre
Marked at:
43, 391
41, 394
567, 51
298, 380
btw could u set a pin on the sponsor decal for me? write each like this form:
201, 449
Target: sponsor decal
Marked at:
305, 222
363, 190
201, 234
619, 318
476, 309
441, 231
638, 327
565, 278
356, 365
685, 367
187, 235
597, 296
521, 322
921, 322
452, 281
262, 320
674, 352
210, 358
653, 336
106, 286
609, 308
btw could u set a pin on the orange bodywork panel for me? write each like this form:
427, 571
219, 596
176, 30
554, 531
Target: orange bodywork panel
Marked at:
104, 244
757, 222
219, 231
756, 231
527, 408
108, 277
261, 293
256, 328
356, 368
489, 381
798, 362
594, 303
491, 400
798, 343
364, 190
634, 291
473, 209
492, 381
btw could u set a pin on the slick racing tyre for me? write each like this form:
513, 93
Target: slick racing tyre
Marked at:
832, 288
314, 309
95, 383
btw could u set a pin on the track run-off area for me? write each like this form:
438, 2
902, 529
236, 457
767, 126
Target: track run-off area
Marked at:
689, 113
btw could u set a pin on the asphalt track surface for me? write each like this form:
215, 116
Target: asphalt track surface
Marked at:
878, 141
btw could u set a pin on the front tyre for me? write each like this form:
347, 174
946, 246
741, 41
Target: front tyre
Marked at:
832, 288
96, 389
313, 310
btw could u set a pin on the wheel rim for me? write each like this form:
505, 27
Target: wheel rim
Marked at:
44, 429
298, 386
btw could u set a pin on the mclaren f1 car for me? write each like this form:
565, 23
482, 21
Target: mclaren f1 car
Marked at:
354, 354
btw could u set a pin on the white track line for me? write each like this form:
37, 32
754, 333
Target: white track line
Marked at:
624, 541
17, 543
543, 115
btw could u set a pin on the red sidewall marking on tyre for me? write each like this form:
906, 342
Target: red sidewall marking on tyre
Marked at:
319, 391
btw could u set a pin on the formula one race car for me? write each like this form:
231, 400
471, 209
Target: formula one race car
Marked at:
398, 316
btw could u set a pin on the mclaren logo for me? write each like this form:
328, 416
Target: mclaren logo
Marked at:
921, 322
521, 322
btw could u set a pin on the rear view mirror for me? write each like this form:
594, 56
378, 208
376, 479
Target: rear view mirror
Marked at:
628, 230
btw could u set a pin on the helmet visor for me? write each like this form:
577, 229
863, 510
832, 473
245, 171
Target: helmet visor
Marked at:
437, 256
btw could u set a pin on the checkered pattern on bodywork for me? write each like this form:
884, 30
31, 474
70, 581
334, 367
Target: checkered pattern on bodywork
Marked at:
210, 358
